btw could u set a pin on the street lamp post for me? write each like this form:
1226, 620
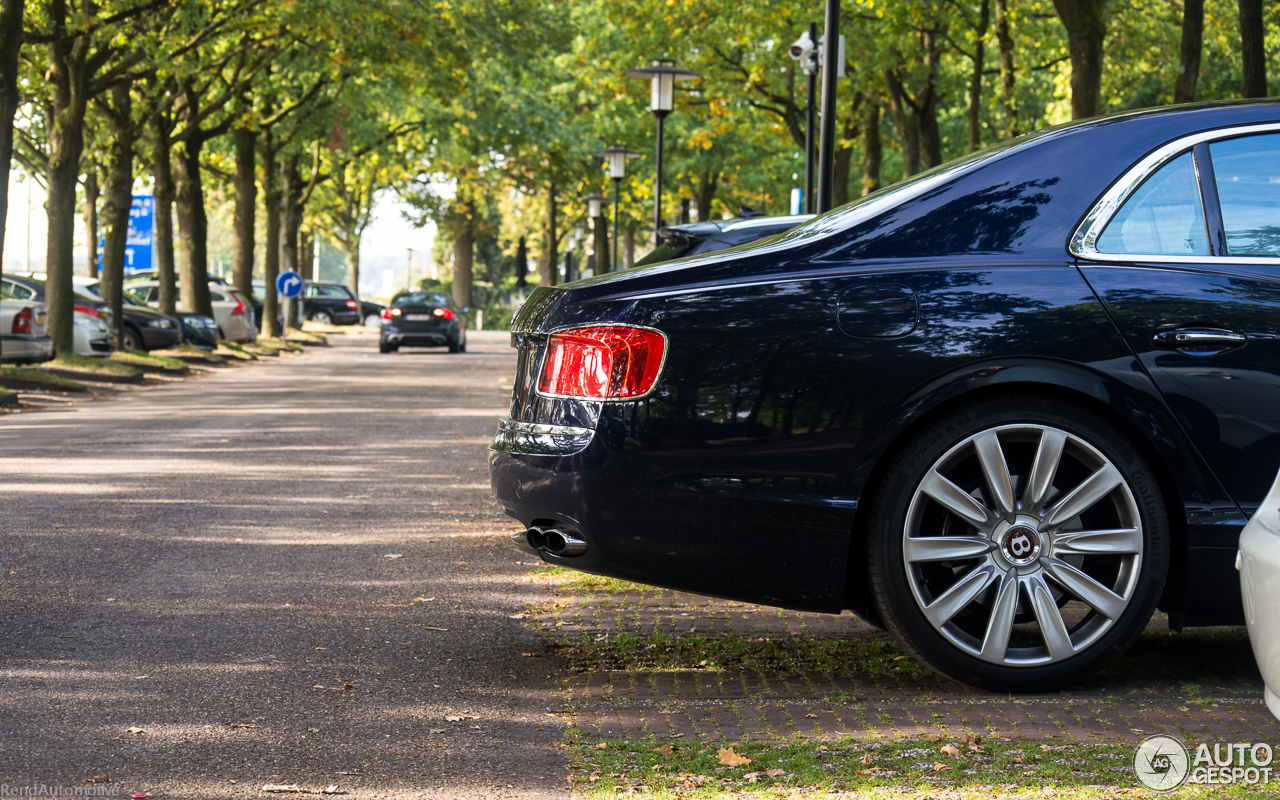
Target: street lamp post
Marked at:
662, 74
600, 239
575, 239
615, 159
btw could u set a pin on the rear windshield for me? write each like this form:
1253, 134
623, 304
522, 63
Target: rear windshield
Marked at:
421, 299
669, 247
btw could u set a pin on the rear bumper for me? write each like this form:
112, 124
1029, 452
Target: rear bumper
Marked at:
25, 347
572, 479
161, 338
438, 337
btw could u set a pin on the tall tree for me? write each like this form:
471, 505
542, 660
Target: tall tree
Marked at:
10, 45
1253, 54
1086, 25
1184, 90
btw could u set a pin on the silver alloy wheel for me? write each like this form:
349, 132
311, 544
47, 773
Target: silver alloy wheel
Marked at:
996, 550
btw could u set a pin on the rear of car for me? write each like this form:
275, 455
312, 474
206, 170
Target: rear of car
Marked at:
89, 321
682, 241
22, 331
233, 314
421, 319
332, 303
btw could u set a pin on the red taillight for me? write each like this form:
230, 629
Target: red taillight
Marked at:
388, 313
352, 304
22, 321
602, 363
443, 313
89, 311
238, 311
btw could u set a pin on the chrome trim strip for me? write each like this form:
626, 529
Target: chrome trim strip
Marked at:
542, 430
542, 363
1084, 242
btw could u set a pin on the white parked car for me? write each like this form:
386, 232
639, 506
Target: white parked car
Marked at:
89, 322
232, 312
1259, 564
22, 331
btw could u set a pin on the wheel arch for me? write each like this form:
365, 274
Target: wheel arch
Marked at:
1138, 412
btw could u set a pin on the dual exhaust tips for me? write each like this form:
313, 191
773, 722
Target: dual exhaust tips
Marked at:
556, 541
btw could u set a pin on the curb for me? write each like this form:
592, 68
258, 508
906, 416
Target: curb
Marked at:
93, 377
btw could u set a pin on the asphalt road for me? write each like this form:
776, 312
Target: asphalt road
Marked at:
284, 573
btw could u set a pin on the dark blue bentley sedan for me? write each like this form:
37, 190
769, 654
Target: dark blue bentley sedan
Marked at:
1005, 409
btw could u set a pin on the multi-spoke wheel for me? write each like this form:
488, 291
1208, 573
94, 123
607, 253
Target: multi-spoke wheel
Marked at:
1018, 544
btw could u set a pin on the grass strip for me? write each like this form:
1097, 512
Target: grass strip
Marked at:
275, 343
874, 654
572, 581
143, 358
98, 365
34, 377
234, 351
918, 766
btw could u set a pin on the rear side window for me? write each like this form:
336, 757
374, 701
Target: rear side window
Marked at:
1248, 175
18, 291
1162, 218
669, 247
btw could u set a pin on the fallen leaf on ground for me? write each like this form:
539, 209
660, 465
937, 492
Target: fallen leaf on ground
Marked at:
775, 773
282, 787
1046, 748
941, 767
333, 789
602, 745
434, 628
726, 756
394, 555
241, 725
135, 730
866, 760
515, 616
751, 777
950, 750
665, 749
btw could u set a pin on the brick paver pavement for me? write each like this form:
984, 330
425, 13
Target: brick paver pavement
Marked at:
711, 705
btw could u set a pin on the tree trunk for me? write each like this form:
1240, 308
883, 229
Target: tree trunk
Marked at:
843, 161
1184, 88
600, 243
68, 77
547, 265
1004, 38
307, 256
906, 123
1252, 54
119, 202
271, 248
707, 185
193, 229
463, 254
872, 150
244, 224
522, 264
10, 45
629, 247
1086, 24
351, 250
975, 82
91, 217
927, 103
165, 192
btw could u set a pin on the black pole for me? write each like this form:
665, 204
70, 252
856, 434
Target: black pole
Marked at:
657, 184
827, 145
811, 118
613, 265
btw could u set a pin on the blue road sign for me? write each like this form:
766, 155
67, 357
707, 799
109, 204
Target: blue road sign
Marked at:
289, 283
140, 237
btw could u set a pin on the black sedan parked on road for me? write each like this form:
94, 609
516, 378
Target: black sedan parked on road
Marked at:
331, 304
1006, 409
422, 319
696, 238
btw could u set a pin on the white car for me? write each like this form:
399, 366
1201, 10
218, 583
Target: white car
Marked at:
233, 314
89, 322
1259, 565
22, 331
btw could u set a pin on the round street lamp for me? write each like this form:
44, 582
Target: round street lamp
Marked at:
595, 210
662, 74
615, 160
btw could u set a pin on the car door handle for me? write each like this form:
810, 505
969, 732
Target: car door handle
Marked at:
1198, 341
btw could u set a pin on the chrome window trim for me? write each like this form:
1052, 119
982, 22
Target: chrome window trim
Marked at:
1084, 242
546, 351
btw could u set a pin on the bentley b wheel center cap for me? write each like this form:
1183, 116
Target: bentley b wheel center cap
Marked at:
1021, 545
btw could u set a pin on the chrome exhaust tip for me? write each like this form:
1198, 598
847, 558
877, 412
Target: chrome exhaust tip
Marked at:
563, 543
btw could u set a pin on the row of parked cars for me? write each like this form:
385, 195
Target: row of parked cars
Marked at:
237, 317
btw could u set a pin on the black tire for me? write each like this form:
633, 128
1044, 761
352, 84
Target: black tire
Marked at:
966, 643
386, 347
132, 339
459, 346
321, 318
